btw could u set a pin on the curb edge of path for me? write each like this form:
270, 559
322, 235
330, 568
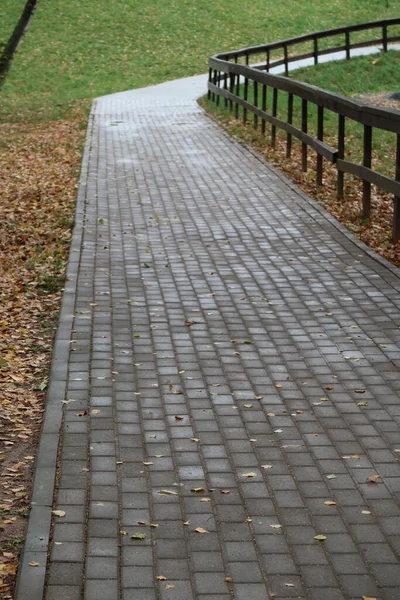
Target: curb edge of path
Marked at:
30, 583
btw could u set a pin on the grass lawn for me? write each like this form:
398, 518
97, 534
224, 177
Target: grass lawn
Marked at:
74, 50
10, 12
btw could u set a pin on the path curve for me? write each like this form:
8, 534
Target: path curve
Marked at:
218, 331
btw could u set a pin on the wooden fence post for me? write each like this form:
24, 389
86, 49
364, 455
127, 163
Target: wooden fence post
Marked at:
255, 102
263, 106
320, 136
274, 113
366, 211
341, 144
290, 121
304, 127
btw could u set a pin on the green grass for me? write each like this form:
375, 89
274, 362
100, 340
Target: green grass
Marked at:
10, 12
75, 50
364, 75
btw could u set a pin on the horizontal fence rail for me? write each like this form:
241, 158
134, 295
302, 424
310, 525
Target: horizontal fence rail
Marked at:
240, 84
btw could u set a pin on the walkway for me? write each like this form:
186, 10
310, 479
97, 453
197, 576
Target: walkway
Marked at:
230, 388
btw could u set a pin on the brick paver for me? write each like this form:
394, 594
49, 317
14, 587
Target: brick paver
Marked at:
227, 336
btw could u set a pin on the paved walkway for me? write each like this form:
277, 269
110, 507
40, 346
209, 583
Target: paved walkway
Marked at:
230, 388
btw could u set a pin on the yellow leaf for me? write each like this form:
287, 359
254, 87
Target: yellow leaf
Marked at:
59, 513
201, 530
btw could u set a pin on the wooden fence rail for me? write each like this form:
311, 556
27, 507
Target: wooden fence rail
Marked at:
227, 72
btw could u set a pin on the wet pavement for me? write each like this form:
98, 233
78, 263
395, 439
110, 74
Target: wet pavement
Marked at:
225, 377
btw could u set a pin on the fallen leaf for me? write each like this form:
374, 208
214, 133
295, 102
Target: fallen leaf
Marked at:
147, 464
225, 491
205, 500
271, 414
197, 440
186, 523
373, 478
251, 474
320, 538
82, 414
141, 522
362, 403
228, 579
161, 578
138, 536
330, 503
201, 530
153, 525
248, 405
168, 493
266, 466
197, 490
169, 586
359, 391
277, 526
59, 513
289, 584
331, 476
278, 385
33, 564
178, 418
365, 512
95, 411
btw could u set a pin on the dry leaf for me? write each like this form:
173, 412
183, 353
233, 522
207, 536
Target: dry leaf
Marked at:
277, 526
168, 493
138, 536
373, 478
205, 499
33, 564
169, 586
59, 513
147, 464
178, 418
197, 490
365, 512
320, 538
161, 578
153, 525
248, 405
228, 579
266, 466
197, 440
225, 491
289, 584
201, 530
251, 474
330, 503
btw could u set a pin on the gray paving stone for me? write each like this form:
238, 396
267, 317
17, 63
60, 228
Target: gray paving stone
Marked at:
250, 259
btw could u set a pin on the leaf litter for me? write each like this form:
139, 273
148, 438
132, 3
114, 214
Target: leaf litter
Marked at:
40, 164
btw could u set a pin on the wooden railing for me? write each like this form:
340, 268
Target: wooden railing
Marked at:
227, 73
